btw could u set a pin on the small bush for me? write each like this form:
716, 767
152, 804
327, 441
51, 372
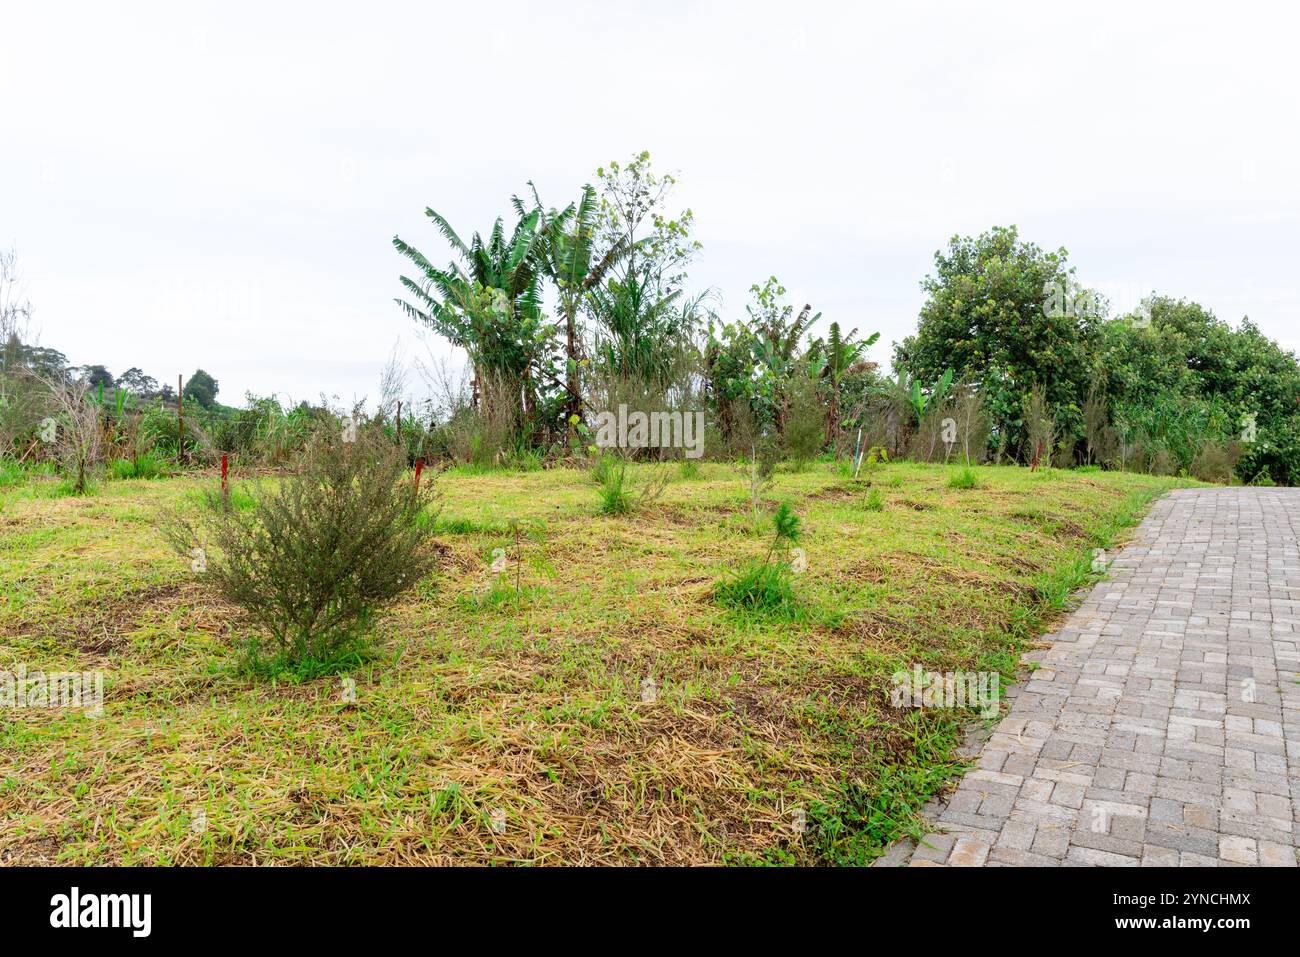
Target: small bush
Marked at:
690, 469
805, 427
312, 561
602, 466
964, 479
875, 501
1217, 461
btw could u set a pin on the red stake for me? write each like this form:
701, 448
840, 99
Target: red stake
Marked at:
225, 470
419, 467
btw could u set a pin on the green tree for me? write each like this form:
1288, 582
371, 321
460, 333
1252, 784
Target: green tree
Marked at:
644, 325
567, 254
489, 304
777, 336
139, 383
1176, 365
832, 359
201, 388
96, 376
1005, 316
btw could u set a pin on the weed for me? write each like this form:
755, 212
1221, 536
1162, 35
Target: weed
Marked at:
965, 479
146, 465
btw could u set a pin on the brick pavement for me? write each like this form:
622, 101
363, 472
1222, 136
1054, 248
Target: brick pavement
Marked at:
1163, 725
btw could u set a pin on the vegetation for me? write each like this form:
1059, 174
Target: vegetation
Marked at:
312, 561
533, 707
764, 585
474, 691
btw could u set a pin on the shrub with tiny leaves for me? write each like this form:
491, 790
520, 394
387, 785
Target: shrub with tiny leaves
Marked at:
342, 536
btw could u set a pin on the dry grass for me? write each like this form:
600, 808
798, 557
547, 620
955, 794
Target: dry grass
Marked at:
480, 703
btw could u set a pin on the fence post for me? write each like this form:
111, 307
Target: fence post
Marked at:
180, 419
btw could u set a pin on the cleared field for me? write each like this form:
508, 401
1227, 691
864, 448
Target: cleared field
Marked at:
495, 728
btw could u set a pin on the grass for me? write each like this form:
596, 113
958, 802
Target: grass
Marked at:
478, 700
146, 466
965, 479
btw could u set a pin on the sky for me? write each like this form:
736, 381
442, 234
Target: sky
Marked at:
217, 185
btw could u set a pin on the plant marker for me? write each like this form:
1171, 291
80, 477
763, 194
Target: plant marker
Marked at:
225, 470
857, 455
419, 467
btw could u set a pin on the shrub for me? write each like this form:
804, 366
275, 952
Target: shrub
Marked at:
311, 562
614, 497
1217, 461
875, 501
602, 466
78, 437
805, 427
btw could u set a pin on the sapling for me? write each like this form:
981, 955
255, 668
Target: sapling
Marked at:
765, 585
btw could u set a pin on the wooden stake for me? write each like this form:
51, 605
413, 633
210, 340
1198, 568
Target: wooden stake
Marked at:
180, 418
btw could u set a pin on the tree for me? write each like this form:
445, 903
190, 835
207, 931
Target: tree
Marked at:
1181, 366
642, 334
729, 370
567, 254
488, 304
201, 388
139, 383
634, 211
95, 376
832, 359
1005, 316
644, 322
777, 336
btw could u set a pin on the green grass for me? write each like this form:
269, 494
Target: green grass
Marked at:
147, 466
477, 699
762, 587
965, 479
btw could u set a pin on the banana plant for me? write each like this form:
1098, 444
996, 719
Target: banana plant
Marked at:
567, 253
832, 359
921, 402
488, 303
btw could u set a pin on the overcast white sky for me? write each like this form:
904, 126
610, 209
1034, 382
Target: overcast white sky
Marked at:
218, 184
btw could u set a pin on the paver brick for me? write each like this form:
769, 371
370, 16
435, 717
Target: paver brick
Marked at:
1162, 725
